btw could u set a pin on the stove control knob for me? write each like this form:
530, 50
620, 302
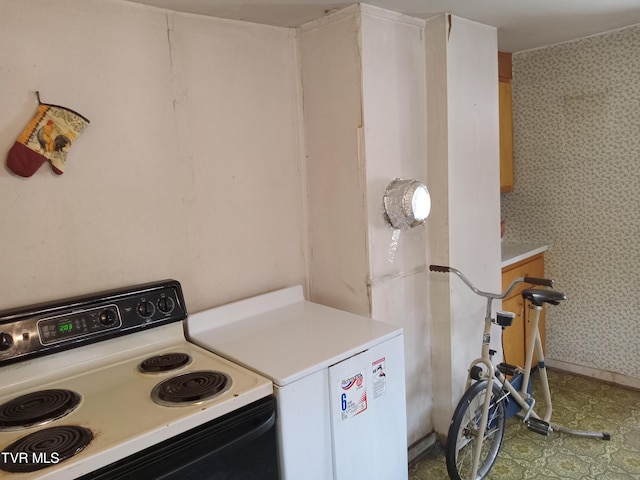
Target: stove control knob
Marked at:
165, 304
145, 309
107, 317
6, 341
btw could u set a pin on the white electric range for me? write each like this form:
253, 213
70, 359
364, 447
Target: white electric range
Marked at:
106, 386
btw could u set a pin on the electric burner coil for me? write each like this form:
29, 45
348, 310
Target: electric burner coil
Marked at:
37, 408
164, 363
44, 448
191, 388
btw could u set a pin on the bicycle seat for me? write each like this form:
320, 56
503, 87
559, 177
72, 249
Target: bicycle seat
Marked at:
538, 296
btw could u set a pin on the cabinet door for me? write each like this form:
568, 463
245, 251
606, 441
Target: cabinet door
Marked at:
506, 137
368, 414
513, 336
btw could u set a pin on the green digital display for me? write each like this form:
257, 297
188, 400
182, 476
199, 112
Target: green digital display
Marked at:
65, 327
74, 325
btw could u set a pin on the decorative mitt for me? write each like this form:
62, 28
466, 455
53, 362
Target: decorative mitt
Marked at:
47, 136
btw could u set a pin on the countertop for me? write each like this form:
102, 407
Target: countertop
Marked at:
516, 252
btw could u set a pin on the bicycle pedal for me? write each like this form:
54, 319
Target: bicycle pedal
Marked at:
539, 426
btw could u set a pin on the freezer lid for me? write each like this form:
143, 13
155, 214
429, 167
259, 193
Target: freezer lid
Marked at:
284, 337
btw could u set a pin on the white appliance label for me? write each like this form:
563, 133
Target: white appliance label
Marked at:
379, 375
353, 397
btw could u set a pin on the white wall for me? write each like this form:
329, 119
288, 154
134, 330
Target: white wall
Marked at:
394, 91
363, 77
193, 166
463, 168
190, 168
474, 177
332, 91
418, 103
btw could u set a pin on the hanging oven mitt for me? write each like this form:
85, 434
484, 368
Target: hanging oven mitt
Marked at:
47, 136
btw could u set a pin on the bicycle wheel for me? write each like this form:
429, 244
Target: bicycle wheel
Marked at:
463, 433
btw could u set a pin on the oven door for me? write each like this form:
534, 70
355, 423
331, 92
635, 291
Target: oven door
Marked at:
241, 445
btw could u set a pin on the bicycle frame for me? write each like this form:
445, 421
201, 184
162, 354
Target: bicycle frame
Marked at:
522, 397
492, 374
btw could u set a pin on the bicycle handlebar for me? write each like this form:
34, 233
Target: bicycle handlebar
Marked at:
535, 281
545, 282
438, 268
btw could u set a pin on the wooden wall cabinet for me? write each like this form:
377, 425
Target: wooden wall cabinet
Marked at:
516, 337
506, 122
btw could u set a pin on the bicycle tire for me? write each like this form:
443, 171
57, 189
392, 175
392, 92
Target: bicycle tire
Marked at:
461, 441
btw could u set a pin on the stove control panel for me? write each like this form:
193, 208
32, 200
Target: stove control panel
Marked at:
78, 324
53, 326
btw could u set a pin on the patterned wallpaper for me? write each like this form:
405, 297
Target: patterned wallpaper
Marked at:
576, 114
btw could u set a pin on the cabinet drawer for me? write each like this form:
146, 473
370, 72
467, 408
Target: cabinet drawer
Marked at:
530, 267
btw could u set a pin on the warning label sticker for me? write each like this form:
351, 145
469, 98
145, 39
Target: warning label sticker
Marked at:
379, 376
353, 396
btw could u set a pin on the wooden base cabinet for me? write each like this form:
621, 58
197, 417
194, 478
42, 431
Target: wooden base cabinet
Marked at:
516, 337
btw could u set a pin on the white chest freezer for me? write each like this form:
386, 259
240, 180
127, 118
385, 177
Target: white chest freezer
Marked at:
339, 380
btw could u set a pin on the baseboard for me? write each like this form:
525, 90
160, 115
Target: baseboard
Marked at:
603, 375
421, 446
